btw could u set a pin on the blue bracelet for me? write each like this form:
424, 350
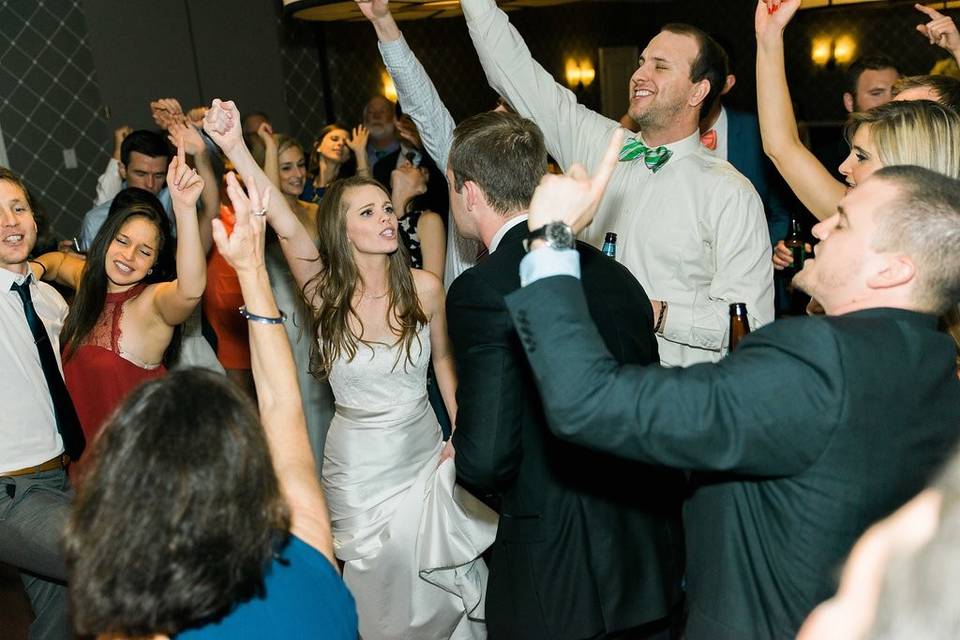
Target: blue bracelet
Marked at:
262, 319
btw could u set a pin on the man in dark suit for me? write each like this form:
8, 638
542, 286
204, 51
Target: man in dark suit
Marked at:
580, 551
811, 430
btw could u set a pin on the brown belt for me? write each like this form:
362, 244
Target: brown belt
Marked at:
58, 462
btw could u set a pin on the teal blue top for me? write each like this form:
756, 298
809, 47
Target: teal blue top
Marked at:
305, 598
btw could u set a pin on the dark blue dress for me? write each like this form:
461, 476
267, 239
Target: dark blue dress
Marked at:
305, 598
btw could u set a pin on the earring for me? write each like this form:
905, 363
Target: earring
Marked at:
149, 271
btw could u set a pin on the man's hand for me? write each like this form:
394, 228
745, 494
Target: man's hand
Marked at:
243, 248
940, 30
187, 136
222, 124
772, 16
119, 135
407, 131
195, 116
374, 9
183, 183
573, 198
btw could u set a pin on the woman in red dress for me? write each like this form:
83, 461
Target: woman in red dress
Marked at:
124, 314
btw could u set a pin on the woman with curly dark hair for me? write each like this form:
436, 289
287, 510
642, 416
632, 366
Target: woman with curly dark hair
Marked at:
409, 538
194, 519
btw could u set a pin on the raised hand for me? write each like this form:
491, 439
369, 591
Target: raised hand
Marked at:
265, 132
573, 198
222, 124
195, 116
167, 112
772, 16
243, 249
187, 136
940, 29
407, 131
374, 9
183, 183
358, 139
119, 135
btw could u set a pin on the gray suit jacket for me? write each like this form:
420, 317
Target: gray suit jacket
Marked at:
813, 429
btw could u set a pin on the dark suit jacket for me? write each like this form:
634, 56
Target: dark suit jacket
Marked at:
814, 428
745, 153
435, 199
587, 543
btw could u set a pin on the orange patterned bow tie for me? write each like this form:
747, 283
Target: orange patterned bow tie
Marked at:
709, 139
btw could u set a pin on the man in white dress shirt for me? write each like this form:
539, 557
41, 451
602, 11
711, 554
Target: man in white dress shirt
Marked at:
34, 492
690, 227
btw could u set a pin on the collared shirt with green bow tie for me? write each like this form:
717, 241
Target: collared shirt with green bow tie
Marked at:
653, 158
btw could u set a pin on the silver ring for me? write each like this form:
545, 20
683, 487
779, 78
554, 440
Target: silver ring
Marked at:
262, 212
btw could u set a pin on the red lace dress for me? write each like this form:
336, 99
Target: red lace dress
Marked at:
99, 374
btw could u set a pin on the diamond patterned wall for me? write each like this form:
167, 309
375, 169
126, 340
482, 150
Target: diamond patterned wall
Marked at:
302, 79
51, 102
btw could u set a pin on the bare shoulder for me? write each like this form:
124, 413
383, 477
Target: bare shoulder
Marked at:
429, 289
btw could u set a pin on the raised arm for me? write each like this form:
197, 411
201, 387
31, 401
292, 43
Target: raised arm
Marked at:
196, 147
222, 124
813, 184
174, 301
572, 132
940, 30
274, 375
271, 158
358, 145
109, 183
60, 267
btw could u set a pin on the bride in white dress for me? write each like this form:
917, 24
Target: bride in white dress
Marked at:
409, 537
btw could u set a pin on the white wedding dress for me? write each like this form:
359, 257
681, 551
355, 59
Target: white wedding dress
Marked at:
410, 537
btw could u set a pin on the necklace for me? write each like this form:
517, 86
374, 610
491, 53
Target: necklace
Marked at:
371, 297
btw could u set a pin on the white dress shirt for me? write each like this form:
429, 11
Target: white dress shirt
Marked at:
420, 100
694, 233
502, 231
28, 427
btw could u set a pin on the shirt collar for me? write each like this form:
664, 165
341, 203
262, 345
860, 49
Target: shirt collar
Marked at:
8, 278
502, 231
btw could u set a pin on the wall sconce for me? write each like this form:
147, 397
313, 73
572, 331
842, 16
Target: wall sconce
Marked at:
828, 52
389, 89
579, 73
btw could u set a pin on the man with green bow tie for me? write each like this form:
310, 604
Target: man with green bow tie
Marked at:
690, 227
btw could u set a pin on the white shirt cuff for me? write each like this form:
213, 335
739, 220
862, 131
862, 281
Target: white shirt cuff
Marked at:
546, 262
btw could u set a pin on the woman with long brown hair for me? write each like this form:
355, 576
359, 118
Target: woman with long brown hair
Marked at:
409, 539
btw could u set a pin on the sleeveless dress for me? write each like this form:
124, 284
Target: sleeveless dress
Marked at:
410, 537
303, 598
221, 299
99, 375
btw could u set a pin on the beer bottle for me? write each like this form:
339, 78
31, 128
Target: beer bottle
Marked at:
739, 325
610, 245
794, 242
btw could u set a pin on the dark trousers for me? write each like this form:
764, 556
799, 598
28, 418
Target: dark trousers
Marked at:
33, 514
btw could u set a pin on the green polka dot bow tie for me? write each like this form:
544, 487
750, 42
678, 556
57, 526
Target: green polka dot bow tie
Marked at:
653, 158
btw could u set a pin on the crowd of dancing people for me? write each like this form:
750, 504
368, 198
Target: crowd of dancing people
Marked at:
390, 387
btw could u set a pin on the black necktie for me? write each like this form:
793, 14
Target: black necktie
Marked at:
67, 422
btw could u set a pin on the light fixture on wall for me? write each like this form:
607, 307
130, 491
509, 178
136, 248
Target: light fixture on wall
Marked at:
579, 74
389, 89
826, 51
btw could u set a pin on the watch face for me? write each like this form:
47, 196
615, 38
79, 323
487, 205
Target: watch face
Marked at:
559, 235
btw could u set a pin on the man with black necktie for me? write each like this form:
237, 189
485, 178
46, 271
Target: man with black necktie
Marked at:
580, 552
39, 430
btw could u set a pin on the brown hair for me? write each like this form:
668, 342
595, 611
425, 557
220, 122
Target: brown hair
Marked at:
330, 292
